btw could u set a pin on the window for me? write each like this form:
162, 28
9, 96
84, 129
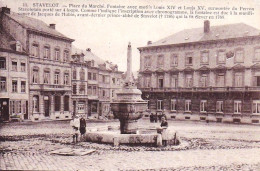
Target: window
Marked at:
220, 80
81, 107
174, 60
174, 81
74, 89
160, 82
221, 57
94, 107
23, 66
257, 81
204, 57
187, 105
94, 90
19, 106
66, 103
35, 75
103, 78
46, 77
113, 80
173, 105
203, 106
147, 81
89, 75
66, 78
57, 54
14, 66
74, 74
56, 77
12, 107
160, 61
2, 63
82, 89
204, 80
2, 84
46, 52
23, 86
256, 107
94, 76
118, 81
66, 56
35, 50
104, 93
147, 61
257, 54
35, 104
18, 46
188, 59
113, 93
239, 56
159, 104
237, 106
219, 107
82, 75
14, 86
238, 79
57, 103
89, 90
189, 81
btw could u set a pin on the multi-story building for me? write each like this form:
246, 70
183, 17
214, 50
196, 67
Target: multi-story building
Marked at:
14, 91
79, 84
208, 73
49, 65
101, 82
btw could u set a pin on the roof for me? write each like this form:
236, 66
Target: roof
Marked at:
89, 56
36, 25
7, 42
216, 33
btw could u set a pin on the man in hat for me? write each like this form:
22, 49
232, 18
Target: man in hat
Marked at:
75, 124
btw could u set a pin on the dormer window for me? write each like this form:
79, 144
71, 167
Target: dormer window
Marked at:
18, 46
92, 63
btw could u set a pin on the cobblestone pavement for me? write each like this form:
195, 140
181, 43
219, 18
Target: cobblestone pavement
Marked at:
27, 146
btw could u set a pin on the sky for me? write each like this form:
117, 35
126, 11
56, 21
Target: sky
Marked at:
108, 37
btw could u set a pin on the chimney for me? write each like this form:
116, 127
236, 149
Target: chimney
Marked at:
206, 26
52, 26
88, 50
5, 10
149, 42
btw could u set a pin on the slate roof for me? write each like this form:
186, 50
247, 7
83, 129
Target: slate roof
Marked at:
8, 43
216, 33
89, 56
36, 25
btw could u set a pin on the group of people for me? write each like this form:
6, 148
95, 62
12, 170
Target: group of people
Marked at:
79, 127
154, 117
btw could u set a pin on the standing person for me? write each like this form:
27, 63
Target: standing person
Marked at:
164, 125
82, 126
75, 124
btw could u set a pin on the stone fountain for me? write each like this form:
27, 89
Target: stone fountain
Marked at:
128, 107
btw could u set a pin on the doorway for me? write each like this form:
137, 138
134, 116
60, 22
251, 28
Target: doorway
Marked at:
46, 106
4, 109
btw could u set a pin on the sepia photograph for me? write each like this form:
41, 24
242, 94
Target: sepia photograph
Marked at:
130, 85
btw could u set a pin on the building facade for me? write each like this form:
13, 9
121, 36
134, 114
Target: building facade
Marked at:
208, 73
14, 91
94, 84
49, 67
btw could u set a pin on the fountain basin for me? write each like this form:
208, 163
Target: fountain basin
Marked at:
144, 136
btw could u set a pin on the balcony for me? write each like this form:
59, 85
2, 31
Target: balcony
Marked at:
203, 89
50, 87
